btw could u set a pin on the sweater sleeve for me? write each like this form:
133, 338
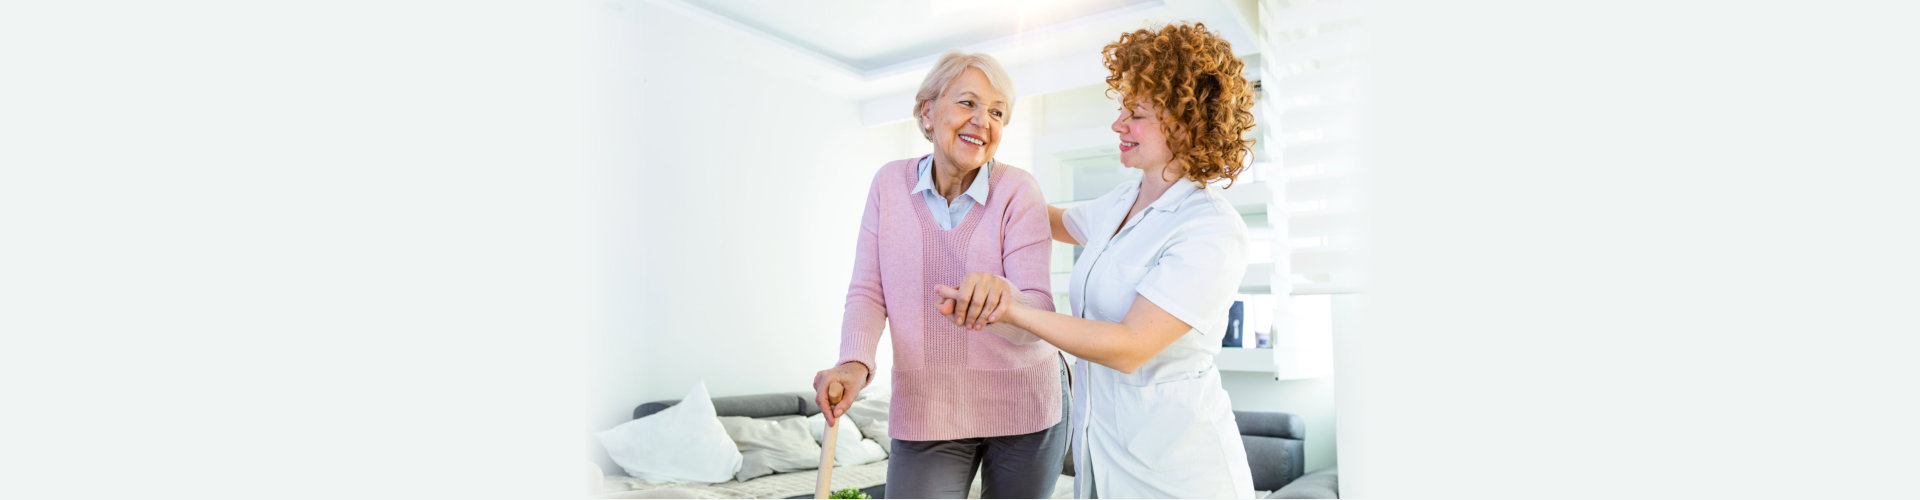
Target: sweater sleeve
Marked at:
1027, 250
866, 311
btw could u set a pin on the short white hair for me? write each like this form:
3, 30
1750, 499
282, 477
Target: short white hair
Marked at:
951, 65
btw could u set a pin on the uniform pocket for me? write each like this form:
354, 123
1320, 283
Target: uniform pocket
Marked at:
1163, 421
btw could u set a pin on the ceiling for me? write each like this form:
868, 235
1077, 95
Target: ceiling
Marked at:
871, 35
876, 51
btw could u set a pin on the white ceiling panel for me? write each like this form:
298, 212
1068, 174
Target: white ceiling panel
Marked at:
871, 35
878, 50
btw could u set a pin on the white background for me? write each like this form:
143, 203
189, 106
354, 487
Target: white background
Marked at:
314, 250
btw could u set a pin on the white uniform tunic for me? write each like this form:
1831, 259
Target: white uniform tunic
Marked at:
1166, 430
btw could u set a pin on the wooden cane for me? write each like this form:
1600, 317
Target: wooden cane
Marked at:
826, 446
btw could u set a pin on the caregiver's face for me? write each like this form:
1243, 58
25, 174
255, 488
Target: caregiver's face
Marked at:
1143, 144
967, 119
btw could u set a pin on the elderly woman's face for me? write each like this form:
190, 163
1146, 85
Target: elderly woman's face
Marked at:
1143, 144
967, 119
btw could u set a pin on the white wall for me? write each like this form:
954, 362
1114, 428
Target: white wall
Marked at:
730, 189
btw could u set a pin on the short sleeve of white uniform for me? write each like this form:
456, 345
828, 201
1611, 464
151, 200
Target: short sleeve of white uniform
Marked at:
1199, 272
1076, 221
1079, 218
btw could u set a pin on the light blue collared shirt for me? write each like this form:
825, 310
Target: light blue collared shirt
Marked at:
949, 215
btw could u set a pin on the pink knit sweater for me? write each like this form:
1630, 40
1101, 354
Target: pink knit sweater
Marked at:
949, 383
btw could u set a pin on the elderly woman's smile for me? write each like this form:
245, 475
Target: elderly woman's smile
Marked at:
969, 115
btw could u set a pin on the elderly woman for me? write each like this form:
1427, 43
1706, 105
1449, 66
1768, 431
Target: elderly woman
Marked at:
961, 403
1163, 259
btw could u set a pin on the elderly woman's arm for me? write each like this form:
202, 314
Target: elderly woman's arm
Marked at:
1026, 255
865, 317
1027, 260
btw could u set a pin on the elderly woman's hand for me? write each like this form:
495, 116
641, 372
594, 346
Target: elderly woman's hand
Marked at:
852, 377
980, 299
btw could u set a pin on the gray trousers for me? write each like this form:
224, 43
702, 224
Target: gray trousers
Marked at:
1021, 466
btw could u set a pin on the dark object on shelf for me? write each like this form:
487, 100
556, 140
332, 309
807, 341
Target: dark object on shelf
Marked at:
1236, 326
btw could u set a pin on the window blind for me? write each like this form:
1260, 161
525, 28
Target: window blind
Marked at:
1311, 71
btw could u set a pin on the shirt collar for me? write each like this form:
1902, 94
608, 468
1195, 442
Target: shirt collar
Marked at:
977, 191
1178, 192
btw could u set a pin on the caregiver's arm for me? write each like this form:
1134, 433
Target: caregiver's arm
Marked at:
1058, 217
1142, 334
1195, 278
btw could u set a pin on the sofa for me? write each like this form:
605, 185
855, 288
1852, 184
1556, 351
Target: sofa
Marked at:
1321, 483
1274, 443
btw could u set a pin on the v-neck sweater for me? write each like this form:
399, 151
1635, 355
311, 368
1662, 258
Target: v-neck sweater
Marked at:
949, 383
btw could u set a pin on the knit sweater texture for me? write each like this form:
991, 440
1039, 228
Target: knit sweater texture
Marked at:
949, 383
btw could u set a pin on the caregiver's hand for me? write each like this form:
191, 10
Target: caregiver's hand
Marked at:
981, 298
851, 375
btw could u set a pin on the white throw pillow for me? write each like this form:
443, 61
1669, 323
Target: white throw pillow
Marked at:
865, 452
685, 443
870, 415
850, 448
769, 445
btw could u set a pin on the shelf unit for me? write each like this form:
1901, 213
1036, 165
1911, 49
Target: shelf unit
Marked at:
1245, 359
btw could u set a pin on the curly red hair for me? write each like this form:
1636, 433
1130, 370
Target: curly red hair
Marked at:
1192, 76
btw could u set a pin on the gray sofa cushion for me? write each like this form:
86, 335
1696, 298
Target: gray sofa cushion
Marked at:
1275, 446
1270, 424
1276, 462
1323, 483
755, 406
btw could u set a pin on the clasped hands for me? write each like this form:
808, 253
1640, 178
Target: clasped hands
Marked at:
980, 299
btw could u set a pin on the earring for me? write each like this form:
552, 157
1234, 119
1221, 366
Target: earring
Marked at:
928, 127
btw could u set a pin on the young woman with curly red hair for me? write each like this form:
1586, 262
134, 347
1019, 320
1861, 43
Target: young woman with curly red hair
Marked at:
1163, 259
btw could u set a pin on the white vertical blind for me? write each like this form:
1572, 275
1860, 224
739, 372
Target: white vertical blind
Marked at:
1310, 70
